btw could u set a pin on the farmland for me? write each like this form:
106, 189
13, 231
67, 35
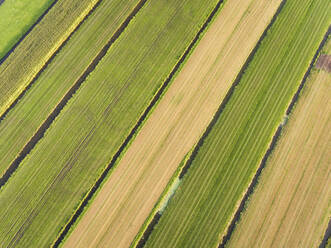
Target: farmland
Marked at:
169, 134
32, 54
174, 123
16, 19
54, 177
226, 162
291, 205
59, 78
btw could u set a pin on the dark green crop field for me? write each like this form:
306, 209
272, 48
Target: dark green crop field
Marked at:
211, 190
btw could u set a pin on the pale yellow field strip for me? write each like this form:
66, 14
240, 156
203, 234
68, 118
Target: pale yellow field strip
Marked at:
292, 203
126, 199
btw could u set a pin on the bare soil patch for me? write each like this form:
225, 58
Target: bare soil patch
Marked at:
324, 62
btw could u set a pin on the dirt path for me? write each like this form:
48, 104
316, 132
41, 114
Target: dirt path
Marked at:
291, 205
128, 196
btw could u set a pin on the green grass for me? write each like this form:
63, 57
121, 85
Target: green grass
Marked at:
24, 120
41, 196
18, 70
205, 202
17, 16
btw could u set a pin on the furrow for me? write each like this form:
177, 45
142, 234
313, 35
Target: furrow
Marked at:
326, 237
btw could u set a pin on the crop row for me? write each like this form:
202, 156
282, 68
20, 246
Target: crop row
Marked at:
174, 126
226, 162
44, 100
50, 182
296, 215
33, 53
17, 18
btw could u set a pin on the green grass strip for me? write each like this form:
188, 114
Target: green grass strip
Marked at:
225, 164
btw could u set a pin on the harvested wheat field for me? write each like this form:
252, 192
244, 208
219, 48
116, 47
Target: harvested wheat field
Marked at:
126, 199
291, 206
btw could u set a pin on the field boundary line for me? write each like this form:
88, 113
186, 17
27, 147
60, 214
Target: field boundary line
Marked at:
273, 143
49, 61
157, 96
56, 111
157, 215
27, 32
